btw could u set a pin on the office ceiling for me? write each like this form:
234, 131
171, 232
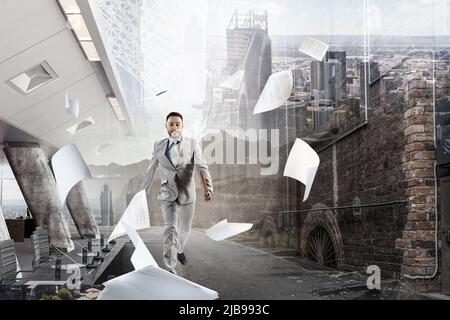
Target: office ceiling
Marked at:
36, 31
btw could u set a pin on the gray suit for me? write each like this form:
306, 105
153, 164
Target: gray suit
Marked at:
177, 193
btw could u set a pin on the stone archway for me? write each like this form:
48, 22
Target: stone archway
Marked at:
322, 221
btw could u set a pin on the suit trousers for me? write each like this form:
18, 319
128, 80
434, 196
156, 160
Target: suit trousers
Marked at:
177, 223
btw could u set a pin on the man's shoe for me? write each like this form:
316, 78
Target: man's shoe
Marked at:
182, 258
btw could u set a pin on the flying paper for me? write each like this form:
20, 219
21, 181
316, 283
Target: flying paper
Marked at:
141, 257
149, 281
276, 91
72, 107
69, 169
234, 82
314, 48
154, 283
102, 147
136, 215
224, 229
160, 93
154, 96
302, 165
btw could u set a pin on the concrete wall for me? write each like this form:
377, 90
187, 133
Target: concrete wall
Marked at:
78, 206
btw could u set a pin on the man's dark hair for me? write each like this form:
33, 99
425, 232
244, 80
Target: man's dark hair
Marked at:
174, 114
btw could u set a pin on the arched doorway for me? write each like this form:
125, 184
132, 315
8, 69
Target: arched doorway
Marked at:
320, 238
320, 247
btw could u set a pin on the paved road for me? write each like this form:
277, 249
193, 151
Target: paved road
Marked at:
242, 271
238, 271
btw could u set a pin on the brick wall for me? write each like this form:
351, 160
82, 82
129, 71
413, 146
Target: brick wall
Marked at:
418, 237
391, 158
368, 167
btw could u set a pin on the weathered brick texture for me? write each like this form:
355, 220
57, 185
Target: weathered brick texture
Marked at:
392, 158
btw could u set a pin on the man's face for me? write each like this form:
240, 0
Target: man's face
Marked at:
174, 126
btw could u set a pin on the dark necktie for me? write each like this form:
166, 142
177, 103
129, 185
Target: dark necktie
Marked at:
172, 155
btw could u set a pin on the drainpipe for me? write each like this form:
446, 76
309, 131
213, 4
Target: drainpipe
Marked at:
366, 205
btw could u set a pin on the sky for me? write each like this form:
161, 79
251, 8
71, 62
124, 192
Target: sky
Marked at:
173, 46
9, 188
344, 17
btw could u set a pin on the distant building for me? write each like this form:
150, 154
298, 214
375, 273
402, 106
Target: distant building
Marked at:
106, 206
369, 74
249, 49
327, 79
321, 118
340, 56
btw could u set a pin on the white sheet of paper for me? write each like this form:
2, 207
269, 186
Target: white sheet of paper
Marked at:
314, 48
18, 268
72, 107
234, 82
141, 256
302, 165
136, 215
154, 283
224, 229
99, 149
4, 233
69, 169
277, 90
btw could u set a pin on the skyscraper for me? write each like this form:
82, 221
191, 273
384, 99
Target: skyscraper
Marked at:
249, 49
106, 206
327, 79
369, 73
340, 56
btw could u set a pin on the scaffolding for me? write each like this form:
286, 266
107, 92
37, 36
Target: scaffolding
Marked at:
249, 20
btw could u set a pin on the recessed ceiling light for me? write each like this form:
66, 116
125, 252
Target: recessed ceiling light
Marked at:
79, 27
69, 6
80, 126
117, 109
115, 105
113, 101
120, 117
33, 78
90, 51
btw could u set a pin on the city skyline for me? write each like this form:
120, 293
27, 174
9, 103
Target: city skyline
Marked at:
343, 17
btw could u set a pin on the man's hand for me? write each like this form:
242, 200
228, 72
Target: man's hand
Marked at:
208, 195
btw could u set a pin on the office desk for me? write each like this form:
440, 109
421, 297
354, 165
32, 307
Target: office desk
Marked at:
16, 228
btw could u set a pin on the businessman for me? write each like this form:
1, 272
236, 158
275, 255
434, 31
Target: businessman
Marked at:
178, 156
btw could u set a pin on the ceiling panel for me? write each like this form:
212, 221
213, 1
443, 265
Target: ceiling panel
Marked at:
50, 113
26, 23
65, 57
34, 31
106, 127
9, 133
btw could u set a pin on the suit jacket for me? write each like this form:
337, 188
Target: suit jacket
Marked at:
178, 182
